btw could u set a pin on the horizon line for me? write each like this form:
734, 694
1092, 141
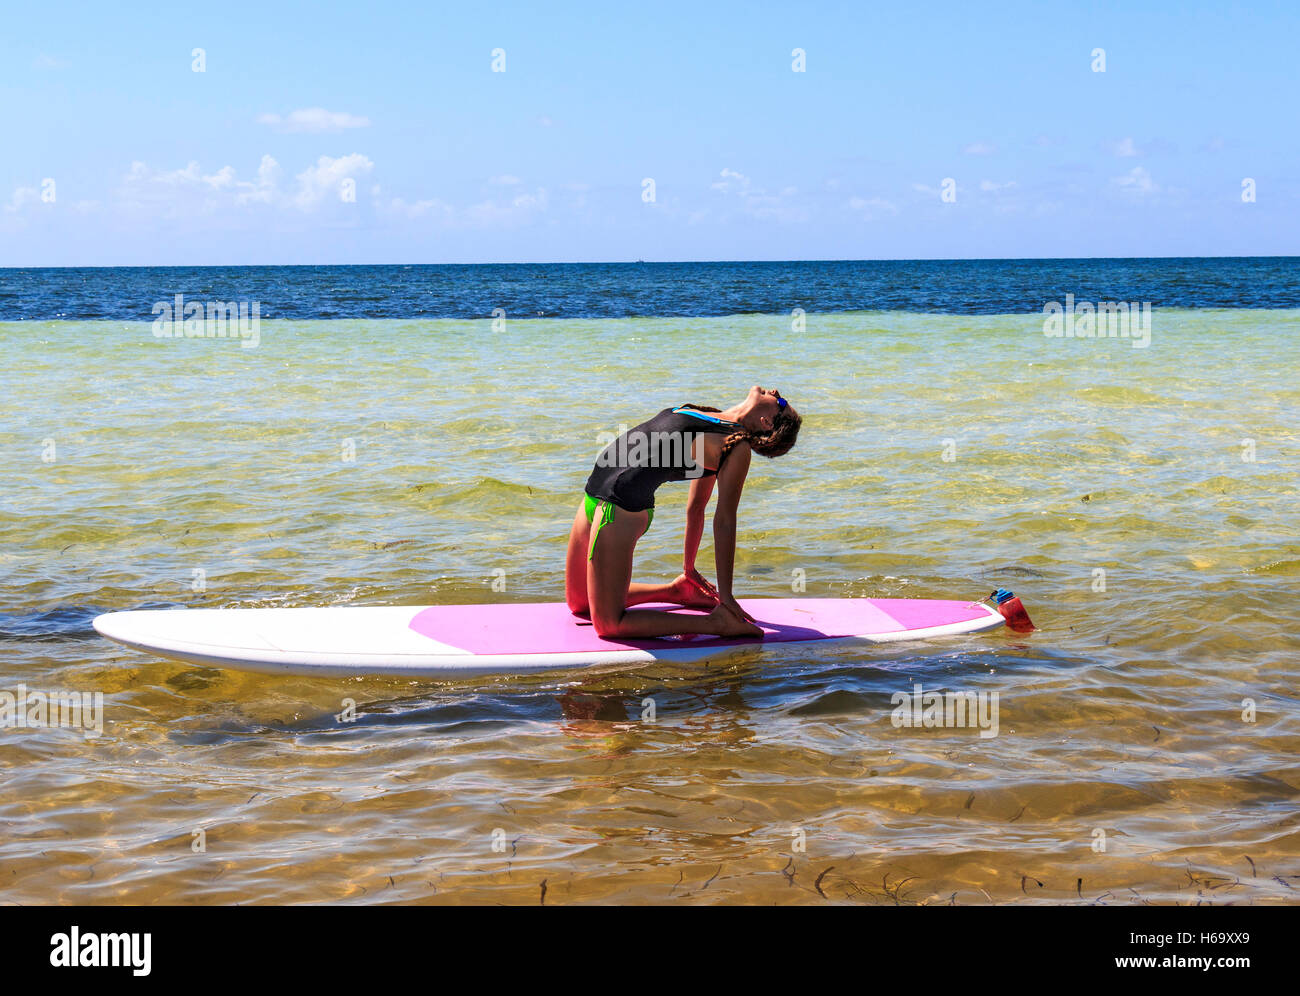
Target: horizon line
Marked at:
626, 262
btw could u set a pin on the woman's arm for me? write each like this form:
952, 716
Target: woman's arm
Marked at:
731, 481
701, 492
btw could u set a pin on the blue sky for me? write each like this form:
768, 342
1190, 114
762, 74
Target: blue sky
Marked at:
250, 160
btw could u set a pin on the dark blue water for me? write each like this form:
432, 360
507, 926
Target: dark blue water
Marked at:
620, 290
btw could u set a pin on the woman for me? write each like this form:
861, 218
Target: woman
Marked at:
689, 442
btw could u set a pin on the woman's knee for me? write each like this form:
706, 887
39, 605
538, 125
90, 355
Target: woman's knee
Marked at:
607, 624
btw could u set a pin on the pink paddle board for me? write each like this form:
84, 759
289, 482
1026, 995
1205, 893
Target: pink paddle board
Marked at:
447, 641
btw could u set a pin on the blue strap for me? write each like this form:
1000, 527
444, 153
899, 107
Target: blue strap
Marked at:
704, 416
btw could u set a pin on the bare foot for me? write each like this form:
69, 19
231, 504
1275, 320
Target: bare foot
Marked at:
688, 594
730, 624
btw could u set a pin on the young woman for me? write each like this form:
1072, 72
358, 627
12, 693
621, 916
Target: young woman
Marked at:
689, 442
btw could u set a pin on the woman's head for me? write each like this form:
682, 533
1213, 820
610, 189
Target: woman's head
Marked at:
767, 421
771, 423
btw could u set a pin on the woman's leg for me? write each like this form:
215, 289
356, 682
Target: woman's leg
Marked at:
575, 564
678, 592
609, 578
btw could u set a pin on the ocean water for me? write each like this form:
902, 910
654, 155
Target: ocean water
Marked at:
1141, 501
679, 290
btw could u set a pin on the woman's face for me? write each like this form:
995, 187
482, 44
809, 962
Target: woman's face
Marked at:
764, 403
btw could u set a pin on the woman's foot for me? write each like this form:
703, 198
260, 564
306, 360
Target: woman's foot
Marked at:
686, 592
730, 623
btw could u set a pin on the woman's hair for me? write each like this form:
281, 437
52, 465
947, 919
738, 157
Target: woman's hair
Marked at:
778, 442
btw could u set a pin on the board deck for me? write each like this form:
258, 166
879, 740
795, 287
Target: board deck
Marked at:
443, 641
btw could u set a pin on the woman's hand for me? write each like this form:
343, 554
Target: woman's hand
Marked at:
701, 582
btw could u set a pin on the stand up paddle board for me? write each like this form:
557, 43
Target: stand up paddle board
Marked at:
450, 641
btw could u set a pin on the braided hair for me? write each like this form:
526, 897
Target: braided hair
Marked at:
779, 441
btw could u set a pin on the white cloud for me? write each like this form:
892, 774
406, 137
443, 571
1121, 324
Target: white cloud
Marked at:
49, 63
325, 179
190, 189
315, 190
990, 187
979, 149
731, 182
505, 180
313, 119
546, 121
1124, 148
1137, 181
263, 189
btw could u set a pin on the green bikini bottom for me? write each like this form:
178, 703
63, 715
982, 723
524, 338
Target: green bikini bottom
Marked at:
606, 516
